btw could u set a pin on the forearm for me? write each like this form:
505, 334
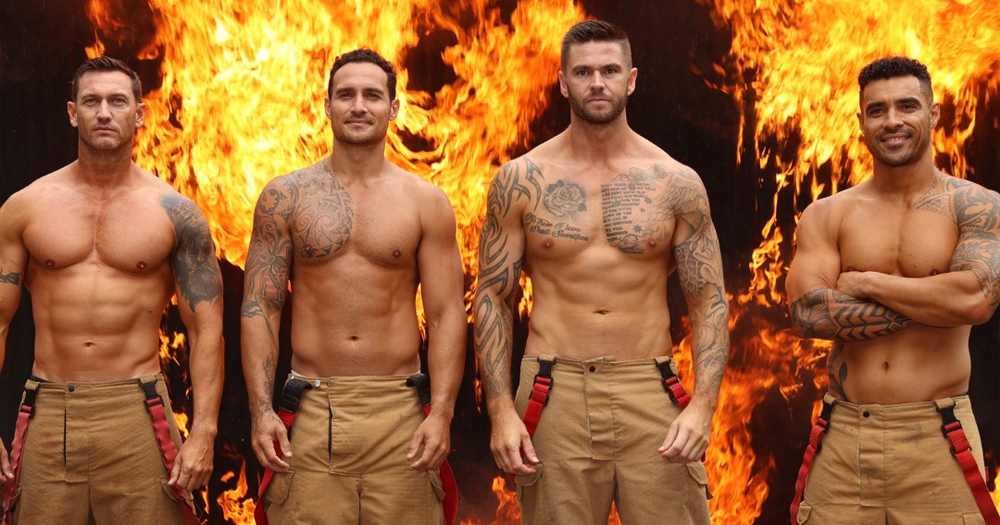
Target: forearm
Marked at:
944, 300
446, 360
259, 351
824, 313
207, 370
710, 345
493, 344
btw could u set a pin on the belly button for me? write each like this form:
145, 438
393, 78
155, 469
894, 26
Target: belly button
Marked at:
601, 312
885, 366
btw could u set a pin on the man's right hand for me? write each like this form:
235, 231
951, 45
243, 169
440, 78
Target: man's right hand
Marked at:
268, 430
511, 444
6, 472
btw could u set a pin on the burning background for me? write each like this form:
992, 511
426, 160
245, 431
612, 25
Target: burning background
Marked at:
758, 96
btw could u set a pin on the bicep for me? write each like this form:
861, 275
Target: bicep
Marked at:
13, 261
978, 249
269, 256
196, 268
438, 258
816, 261
501, 244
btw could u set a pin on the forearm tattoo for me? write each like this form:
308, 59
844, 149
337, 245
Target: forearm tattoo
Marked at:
196, 268
828, 314
500, 271
10, 278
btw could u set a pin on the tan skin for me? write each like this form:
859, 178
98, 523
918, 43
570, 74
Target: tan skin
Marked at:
102, 269
897, 269
356, 235
598, 218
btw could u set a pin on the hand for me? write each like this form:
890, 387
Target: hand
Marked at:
434, 435
688, 436
193, 465
850, 283
511, 444
269, 436
6, 472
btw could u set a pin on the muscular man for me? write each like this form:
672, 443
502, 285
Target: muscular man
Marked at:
598, 217
102, 245
895, 271
356, 235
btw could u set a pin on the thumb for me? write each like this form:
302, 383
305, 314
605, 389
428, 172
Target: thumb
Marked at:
283, 443
415, 443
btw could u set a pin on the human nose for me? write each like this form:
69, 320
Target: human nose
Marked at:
597, 80
358, 105
104, 110
893, 118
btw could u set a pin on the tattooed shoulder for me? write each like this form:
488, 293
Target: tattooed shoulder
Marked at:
196, 268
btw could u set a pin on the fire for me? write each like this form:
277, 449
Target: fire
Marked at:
798, 62
509, 511
240, 101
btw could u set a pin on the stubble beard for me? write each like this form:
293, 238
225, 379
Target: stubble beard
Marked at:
579, 108
899, 158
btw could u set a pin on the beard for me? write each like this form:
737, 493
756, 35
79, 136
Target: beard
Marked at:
362, 138
589, 116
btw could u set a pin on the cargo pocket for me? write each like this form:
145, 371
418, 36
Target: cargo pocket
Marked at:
436, 483
526, 481
169, 490
802, 516
700, 476
278, 489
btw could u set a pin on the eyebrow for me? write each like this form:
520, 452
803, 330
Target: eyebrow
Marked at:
882, 104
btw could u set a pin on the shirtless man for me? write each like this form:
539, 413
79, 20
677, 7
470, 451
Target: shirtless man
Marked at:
356, 235
895, 271
598, 217
102, 245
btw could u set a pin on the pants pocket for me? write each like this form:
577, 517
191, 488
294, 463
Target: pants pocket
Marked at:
973, 518
436, 484
802, 516
279, 488
700, 476
528, 480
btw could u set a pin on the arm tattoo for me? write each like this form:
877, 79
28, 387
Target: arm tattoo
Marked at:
500, 271
978, 249
837, 379
10, 278
324, 214
828, 314
270, 253
195, 265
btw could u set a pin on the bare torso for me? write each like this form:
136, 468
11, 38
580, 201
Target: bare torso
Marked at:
99, 273
920, 362
354, 273
598, 250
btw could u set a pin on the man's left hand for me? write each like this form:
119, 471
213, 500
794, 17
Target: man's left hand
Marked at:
434, 434
689, 435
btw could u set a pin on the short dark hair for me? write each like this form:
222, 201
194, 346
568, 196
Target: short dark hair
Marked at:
365, 55
595, 31
105, 63
893, 67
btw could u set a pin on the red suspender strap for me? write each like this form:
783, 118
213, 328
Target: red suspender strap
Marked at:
17, 448
672, 384
168, 450
450, 502
539, 394
291, 396
815, 443
962, 450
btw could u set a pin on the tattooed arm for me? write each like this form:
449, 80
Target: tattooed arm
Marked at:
198, 284
969, 292
265, 288
501, 252
699, 268
441, 287
818, 309
13, 261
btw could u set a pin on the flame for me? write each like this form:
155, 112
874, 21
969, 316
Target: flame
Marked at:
509, 510
796, 63
240, 101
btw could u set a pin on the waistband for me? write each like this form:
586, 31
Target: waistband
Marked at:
37, 383
566, 364
900, 409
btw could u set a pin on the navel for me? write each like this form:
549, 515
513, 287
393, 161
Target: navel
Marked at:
885, 366
601, 312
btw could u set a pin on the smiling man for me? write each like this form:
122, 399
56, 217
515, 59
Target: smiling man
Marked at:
895, 271
355, 235
599, 217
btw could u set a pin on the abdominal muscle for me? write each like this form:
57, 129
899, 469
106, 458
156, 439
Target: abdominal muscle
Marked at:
920, 363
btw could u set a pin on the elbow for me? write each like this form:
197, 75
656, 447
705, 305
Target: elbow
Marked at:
977, 311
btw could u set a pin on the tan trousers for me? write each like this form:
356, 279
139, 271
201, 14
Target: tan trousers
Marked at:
597, 440
890, 464
91, 457
349, 465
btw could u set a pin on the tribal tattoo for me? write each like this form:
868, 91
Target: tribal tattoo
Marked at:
196, 268
500, 270
837, 377
828, 314
978, 250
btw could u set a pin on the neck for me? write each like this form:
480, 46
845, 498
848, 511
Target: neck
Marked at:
357, 161
598, 141
103, 166
911, 179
